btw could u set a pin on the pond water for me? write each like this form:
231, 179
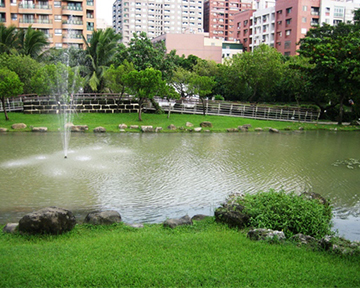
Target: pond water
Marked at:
151, 177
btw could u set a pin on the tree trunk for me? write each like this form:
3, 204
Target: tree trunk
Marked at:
203, 104
341, 110
140, 107
4, 107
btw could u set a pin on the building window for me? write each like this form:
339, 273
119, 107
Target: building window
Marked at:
57, 4
57, 17
58, 31
288, 10
339, 11
288, 21
287, 44
58, 45
303, 31
303, 19
288, 32
13, 16
13, 2
304, 8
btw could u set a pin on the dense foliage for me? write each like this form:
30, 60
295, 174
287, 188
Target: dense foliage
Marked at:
288, 212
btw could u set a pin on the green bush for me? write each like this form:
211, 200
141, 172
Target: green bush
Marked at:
288, 212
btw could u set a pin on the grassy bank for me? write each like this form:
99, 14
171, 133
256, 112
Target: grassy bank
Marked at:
111, 122
206, 254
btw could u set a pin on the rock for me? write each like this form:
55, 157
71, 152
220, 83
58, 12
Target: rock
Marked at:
135, 225
79, 128
172, 223
102, 217
158, 129
39, 129
123, 126
301, 128
171, 127
287, 128
273, 130
263, 234
18, 126
10, 228
247, 126
312, 195
199, 217
3, 130
206, 124
232, 214
232, 130
258, 129
243, 129
304, 239
99, 130
188, 124
51, 220
134, 126
122, 130
147, 129
197, 129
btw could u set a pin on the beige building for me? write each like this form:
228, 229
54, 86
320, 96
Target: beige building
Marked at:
64, 22
199, 45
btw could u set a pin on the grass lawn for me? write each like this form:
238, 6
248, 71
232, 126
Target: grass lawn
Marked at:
205, 254
111, 122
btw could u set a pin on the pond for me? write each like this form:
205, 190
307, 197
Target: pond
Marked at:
151, 177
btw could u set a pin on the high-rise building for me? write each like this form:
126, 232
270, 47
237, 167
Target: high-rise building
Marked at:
283, 25
219, 17
157, 17
63, 22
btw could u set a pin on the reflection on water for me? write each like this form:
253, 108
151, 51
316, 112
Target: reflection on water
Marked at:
149, 177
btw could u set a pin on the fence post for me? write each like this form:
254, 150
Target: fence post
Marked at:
231, 107
219, 108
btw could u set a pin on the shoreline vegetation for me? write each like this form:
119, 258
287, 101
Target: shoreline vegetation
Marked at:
111, 122
204, 254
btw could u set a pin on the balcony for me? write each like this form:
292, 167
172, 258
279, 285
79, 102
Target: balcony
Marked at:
73, 22
34, 6
36, 21
72, 8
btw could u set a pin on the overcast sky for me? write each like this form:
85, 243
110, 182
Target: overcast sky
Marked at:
104, 10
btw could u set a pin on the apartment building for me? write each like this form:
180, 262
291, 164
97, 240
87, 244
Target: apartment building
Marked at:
157, 17
64, 22
219, 17
284, 24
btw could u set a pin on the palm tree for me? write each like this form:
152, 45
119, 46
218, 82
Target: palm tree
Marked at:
31, 42
100, 51
8, 39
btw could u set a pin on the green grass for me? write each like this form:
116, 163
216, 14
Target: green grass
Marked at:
111, 122
206, 254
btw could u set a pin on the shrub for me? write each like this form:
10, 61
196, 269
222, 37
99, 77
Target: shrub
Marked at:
288, 212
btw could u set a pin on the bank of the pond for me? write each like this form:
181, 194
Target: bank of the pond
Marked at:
111, 122
205, 254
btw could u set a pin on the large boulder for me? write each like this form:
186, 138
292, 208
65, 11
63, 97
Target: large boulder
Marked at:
51, 220
266, 234
79, 128
172, 223
206, 124
39, 129
18, 126
147, 129
102, 217
232, 214
273, 130
3, 129
99, 130
123, 126
171, 127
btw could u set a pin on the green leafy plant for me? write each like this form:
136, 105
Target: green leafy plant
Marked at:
288, 212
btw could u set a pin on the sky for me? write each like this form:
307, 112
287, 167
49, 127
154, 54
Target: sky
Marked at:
104, 10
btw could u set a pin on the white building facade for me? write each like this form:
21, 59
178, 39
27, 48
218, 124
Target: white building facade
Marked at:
333, 12
157, 17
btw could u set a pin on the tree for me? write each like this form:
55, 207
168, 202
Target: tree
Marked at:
115, 78
57, 79
202, 86
24, 66
100, 52
257, 71
335, 55
31, 42
145, 84
10, 85
8, 39
180, 81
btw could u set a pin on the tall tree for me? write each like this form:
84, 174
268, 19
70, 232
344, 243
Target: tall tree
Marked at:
202, 86
257, 71
31, 42
334, 51
100, 52
10, 85
145, 84
8, 39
